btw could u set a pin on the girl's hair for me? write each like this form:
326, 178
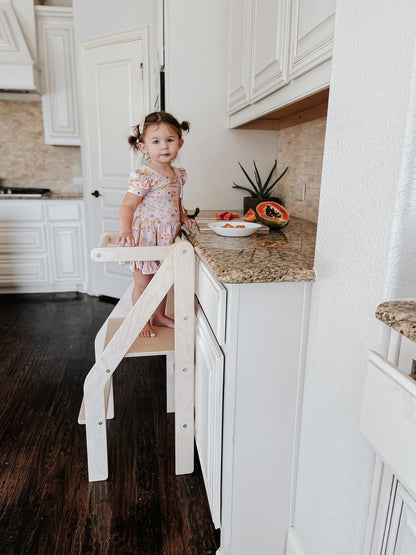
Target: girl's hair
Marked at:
139, 130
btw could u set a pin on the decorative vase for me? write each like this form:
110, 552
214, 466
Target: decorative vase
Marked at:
252, 202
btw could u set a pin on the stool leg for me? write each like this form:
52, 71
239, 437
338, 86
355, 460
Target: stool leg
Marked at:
184, 272
170, 383
96, 432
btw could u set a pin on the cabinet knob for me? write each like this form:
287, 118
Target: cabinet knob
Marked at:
96, 193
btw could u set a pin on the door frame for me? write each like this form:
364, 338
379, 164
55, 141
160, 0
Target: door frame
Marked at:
127, 36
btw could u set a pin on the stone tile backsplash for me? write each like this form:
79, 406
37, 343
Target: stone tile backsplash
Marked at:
25, 160
301, 147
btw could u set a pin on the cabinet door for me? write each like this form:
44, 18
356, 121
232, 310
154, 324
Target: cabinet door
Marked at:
402, 534
269, 47
67, 253
209, 371
66, 230
312, 32
239, 54
59, 94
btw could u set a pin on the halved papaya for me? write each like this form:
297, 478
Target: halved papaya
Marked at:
272, 214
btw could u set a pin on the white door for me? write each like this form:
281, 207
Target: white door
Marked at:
114, 97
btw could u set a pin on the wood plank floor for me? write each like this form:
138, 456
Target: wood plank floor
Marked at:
47, 505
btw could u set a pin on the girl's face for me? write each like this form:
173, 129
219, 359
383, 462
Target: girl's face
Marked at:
161, 142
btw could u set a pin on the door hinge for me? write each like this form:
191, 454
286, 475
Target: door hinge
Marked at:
141, 70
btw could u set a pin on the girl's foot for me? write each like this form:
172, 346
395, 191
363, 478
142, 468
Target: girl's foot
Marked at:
147, 331
162, 320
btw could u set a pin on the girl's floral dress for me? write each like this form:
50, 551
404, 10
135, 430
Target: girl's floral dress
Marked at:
156, 220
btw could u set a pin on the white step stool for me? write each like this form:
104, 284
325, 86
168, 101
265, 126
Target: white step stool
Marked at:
118, 338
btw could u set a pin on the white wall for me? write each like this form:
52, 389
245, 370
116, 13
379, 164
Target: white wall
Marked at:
363, 177
99, 18
196, 83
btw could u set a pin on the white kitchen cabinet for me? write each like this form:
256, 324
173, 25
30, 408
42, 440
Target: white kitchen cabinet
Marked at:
257, 50
387, 420
312, 32
401, 539
42, 246
23, 244
262, 389
55, 35
279, 52
269, 47
209, 374
239, 55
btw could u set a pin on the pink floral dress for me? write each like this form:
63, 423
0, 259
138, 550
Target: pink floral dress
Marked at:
156, 220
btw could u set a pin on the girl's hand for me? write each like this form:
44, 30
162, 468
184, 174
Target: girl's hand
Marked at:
188, 223
126, 239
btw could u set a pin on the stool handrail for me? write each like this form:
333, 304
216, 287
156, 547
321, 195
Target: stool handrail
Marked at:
106, 253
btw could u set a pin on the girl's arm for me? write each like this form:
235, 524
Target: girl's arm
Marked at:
187, 222
125, 220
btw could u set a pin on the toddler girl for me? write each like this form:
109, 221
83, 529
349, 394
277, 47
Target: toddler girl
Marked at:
152, 212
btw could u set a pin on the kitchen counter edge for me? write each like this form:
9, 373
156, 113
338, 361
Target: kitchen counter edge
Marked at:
399, 315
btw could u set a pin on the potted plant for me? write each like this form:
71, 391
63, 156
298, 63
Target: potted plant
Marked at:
259, 190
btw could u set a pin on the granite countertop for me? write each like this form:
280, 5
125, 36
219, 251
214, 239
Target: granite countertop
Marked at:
48, 196
400, 315
275, 256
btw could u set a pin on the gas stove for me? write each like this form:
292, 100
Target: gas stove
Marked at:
31, 192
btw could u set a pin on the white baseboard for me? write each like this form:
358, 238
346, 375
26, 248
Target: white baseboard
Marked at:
293, 546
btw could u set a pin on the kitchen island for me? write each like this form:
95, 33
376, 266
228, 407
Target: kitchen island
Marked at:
253, 296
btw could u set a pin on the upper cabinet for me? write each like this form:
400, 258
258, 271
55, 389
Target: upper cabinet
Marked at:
59, 88
279, 53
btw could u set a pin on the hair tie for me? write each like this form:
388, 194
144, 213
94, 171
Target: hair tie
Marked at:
141, 125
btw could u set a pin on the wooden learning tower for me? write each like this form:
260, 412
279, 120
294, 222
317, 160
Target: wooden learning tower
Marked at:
118, 338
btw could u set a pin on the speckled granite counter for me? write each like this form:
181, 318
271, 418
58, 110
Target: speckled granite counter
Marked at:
278, 256
48, 196
400, 315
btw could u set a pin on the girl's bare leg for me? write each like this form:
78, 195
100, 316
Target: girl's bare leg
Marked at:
141, 281
159, 317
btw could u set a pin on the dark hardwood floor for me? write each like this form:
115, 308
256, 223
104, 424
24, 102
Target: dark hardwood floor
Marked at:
47, 505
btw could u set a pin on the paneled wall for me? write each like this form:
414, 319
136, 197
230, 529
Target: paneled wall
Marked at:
25, 160
301, 148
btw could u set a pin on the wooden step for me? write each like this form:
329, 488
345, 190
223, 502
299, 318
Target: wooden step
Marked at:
162, 344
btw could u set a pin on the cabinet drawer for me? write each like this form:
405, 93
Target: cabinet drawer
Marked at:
63, 211
19, 212
20, 272
212, 297
17, 239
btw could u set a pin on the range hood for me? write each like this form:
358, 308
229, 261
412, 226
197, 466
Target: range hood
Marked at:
18, 69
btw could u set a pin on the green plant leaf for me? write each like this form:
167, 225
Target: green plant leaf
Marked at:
252, 193
270, 174
258, 178
248, 177
259, 190
269, 189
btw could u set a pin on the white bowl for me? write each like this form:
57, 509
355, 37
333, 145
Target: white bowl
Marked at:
248, 229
